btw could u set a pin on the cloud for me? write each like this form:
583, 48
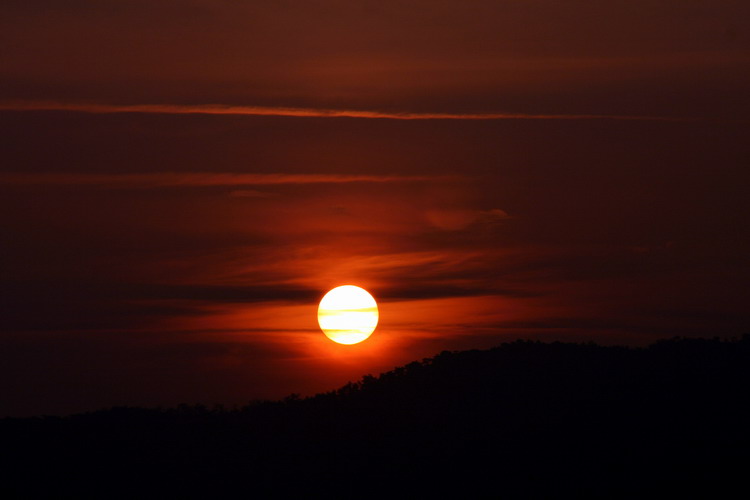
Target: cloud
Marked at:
249, 193
494, 215
175, 179
219, 109
457, 219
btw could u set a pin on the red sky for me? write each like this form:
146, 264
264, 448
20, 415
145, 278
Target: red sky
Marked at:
181, 182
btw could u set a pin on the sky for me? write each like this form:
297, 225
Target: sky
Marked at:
182, 181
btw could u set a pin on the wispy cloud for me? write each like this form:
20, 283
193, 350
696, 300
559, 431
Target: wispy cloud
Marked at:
219, 109
175, 179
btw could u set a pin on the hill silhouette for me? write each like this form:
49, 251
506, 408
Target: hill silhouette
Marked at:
525, 419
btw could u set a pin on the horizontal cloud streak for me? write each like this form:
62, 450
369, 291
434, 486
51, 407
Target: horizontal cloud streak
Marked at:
217, 109
175, 179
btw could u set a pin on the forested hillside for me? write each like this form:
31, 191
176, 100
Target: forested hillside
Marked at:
523, 419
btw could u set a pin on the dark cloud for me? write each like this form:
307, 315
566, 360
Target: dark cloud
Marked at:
81, 305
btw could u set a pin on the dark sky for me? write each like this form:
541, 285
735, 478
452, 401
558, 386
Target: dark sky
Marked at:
181, 182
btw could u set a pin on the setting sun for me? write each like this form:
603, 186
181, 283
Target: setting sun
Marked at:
348, 314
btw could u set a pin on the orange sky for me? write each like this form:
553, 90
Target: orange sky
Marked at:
181, 182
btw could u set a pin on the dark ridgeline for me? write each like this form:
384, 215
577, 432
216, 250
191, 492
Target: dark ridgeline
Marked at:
525, 419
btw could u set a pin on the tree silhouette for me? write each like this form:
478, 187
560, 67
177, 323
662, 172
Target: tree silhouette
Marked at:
523, 419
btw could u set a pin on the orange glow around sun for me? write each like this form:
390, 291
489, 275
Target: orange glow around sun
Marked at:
348, 314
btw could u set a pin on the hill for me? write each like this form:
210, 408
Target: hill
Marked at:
525, 419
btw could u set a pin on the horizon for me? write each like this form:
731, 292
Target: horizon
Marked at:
675, 344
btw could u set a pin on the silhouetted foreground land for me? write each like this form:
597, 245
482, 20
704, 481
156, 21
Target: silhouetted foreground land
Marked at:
523, 419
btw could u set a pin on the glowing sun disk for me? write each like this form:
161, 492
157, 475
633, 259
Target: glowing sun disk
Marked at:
348, 314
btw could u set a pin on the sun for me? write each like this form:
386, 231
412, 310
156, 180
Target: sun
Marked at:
348, 314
